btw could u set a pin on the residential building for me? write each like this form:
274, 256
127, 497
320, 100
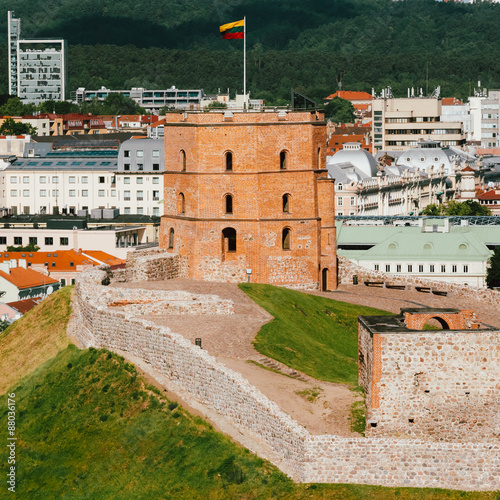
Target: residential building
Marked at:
400, 124
37, 68
340, 134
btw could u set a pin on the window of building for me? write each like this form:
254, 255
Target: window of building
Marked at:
353, 201
140, 211
55, 192
156, 166
26, 180
126, 195
43, 193
140, 180
53, 264
55, 180
13, 192
229, 161
387, 268
183, 160
228, 203
454, 269
466, 268
33, 241
43, 179
156, 180
72, 179
339, 187
171, 238
140, 195
286, 203
18, 240
156, 153
285, 238
72, 193
126, 153
340, 201
229, 239
85, 180
156, 211
49, 240
156, 195
181, 204
126, 180
126, 166
443, 268
431, 268
102, 180
26, 192
63, 282
420, 268
85, 192
140, 167
376, 267
283, 160
13, 180
113, 193
126, 210
410, 268
139, 153
101, 193
3, 240
64, 241
398, 268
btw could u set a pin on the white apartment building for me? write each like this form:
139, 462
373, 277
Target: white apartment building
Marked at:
37, 68
401, 123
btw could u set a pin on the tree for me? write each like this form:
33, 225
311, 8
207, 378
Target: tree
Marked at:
3, 324
493, 272
340, 110
13, 107
453, 207
11, 127
433, 209
28, 248
217, 105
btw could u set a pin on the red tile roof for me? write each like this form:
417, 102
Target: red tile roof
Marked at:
25, 305
61, 258
105, 258
451, 101
490, 195
26, 278
468, 169
351, 95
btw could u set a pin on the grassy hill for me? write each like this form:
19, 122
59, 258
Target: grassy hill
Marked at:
89, 426
315, 335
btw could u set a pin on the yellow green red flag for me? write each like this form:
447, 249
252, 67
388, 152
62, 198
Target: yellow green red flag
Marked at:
233, 30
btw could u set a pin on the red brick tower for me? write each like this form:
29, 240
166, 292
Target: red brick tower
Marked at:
249, 191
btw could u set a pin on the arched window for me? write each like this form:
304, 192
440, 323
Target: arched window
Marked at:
286, 203
229, 161
183, 160
319, 157
285, 238
284, 160
181, 206
171, 238
229, 204
228, 240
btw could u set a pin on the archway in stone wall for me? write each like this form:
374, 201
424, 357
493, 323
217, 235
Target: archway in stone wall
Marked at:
436, 323
324, 280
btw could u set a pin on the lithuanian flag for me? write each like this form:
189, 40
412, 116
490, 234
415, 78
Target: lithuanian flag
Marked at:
233, 30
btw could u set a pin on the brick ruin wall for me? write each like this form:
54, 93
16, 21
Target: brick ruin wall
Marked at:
155, 265
440, 385
347, 269
328, 459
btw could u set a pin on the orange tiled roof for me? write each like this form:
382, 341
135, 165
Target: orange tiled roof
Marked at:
451, 101
490, 195
351, 95
26, 278
25, 305
61, 258
104, 257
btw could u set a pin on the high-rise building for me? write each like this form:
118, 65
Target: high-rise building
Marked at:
37, 67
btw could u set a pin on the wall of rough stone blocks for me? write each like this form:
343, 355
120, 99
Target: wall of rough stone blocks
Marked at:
347, 269
388, 462
154, 265
441, 384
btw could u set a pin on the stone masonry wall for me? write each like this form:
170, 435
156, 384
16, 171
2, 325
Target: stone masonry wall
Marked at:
155, 265
347, 269
388, 462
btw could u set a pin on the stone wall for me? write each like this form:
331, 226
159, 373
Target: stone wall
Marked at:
388, 462
347, 269
155, 265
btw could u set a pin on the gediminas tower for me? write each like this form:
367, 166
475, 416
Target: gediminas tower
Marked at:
247, 195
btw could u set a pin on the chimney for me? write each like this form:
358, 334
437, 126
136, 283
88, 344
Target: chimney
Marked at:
5, 267
22, 263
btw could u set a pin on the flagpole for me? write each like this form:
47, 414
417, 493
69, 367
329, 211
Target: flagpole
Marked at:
244, 63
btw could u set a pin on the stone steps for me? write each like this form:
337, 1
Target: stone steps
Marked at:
286, 370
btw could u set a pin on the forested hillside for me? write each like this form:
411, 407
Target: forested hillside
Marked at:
308, 45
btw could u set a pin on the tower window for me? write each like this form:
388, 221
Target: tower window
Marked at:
229, 240
182, 204
183, 160
171, 238
283, 160
286, 203
285, 238
229, 204
229, 161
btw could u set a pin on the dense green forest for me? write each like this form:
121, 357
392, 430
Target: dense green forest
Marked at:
290, 43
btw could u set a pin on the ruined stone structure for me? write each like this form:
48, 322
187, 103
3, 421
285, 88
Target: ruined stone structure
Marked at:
102, 318
249, 193
439, 384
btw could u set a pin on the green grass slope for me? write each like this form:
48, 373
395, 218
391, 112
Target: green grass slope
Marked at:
313, 334
35, 338
89, 427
